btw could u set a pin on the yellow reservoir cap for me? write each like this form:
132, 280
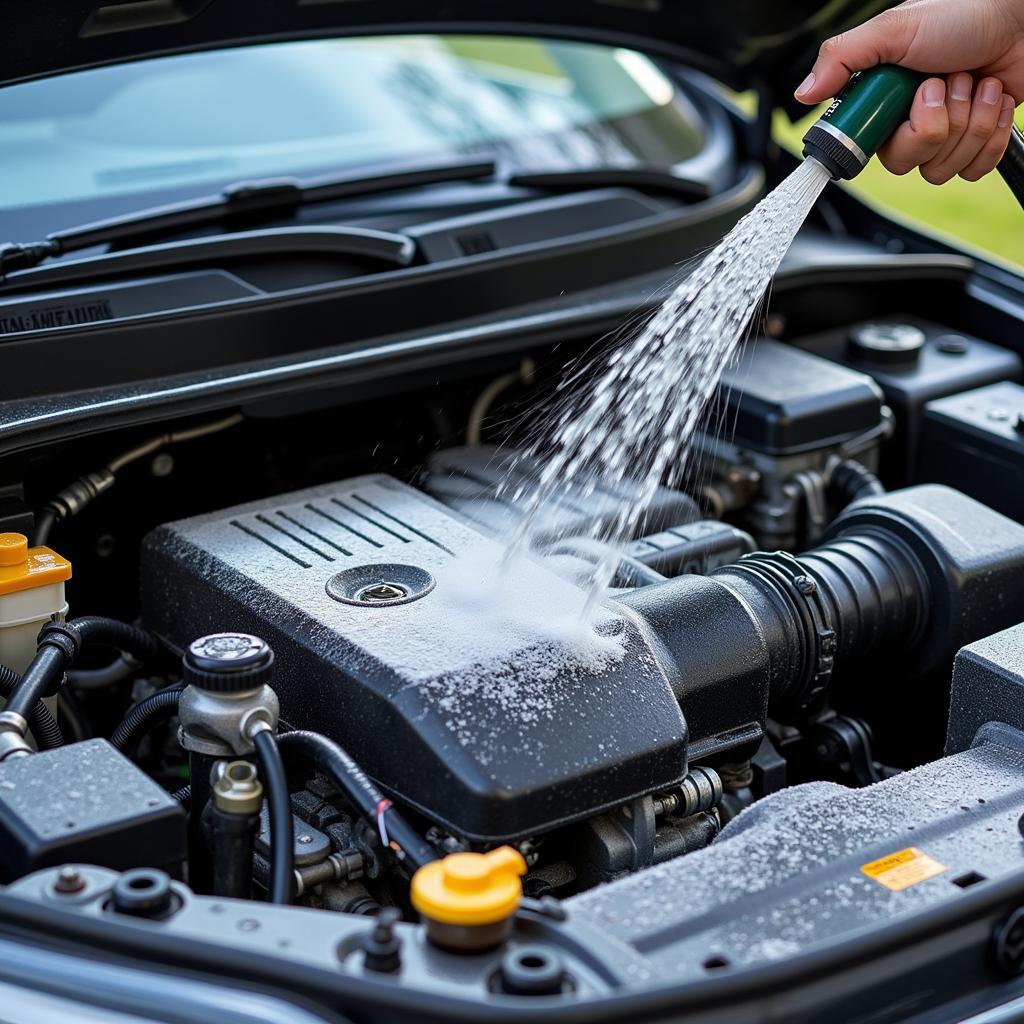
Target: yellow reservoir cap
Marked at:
22, 567
470, 888
13, 549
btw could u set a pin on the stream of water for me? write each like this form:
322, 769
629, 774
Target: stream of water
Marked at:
629, 419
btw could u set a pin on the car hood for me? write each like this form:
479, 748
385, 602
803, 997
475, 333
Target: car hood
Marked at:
741, 42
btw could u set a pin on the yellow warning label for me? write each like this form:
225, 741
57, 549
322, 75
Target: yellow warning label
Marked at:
903, 869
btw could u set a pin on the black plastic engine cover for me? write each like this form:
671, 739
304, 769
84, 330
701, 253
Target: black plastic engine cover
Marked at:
495, 730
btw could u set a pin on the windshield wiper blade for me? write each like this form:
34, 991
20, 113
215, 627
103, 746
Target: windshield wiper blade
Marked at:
244, 199
650, 179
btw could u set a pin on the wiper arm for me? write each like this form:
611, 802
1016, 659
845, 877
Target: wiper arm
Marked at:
269, 196
649, 179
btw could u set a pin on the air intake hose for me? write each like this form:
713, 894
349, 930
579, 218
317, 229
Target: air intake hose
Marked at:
911, 576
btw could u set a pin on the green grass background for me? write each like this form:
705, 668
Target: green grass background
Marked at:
983, 214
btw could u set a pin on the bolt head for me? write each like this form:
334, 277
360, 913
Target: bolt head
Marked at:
69, 880
382, 592
805, 584
162, 465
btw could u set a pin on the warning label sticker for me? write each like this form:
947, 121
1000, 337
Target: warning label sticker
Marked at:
903, 869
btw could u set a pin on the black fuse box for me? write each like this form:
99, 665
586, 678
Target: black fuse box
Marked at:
914, 361
975, 443
85, 803
784, 401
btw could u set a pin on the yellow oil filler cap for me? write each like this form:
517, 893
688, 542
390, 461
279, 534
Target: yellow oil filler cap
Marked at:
31, 594
467, 898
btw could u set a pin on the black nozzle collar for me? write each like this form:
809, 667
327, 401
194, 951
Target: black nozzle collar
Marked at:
837, 153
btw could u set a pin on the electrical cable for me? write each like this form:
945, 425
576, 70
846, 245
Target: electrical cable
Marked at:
73, 498
474, 426
330, 759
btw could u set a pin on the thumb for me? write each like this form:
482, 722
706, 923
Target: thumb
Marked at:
884, 39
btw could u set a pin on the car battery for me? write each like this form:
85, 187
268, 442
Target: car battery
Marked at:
975, 442
914, 362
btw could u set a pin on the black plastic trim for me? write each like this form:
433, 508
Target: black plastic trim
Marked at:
25, 424
422, 298
347, 243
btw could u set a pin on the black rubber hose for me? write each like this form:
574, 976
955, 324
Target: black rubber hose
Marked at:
42, 677
899, 577
157, 707
59, 644
44, 524
117, 671
45, 729
330, 759
1011, 167
279, 806
851, 480
142, 645
42, 723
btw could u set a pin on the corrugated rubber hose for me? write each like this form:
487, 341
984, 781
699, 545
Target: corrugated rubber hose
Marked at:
42, 723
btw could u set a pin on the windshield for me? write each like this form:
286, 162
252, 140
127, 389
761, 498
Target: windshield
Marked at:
208, 119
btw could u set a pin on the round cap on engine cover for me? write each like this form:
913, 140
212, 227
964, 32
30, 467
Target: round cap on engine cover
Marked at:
228, 662
470, 888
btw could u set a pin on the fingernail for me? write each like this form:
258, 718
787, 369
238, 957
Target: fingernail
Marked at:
934, 93
960, 87
806, 85
1006, 114
991, 91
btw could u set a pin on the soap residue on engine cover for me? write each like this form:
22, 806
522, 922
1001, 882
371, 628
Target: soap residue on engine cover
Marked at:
519, 644
511, 604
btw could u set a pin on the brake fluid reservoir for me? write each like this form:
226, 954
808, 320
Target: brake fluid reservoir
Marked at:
31, 594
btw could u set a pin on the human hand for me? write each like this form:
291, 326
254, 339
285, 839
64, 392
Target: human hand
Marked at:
959, 124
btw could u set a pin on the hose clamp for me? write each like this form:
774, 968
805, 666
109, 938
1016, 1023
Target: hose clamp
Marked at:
63, 636
786, 573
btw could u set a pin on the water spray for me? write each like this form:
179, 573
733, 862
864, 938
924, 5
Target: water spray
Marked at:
871, 107
630, 422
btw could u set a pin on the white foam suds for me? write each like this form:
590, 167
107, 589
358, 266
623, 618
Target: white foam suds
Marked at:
521, 642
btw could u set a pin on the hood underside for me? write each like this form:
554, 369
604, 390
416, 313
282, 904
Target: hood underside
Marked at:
741, 42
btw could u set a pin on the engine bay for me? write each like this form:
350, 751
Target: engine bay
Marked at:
752, 750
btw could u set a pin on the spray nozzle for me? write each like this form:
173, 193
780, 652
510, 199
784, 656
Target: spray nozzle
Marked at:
871, 107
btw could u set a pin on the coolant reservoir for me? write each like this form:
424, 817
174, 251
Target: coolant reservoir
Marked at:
31, 593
